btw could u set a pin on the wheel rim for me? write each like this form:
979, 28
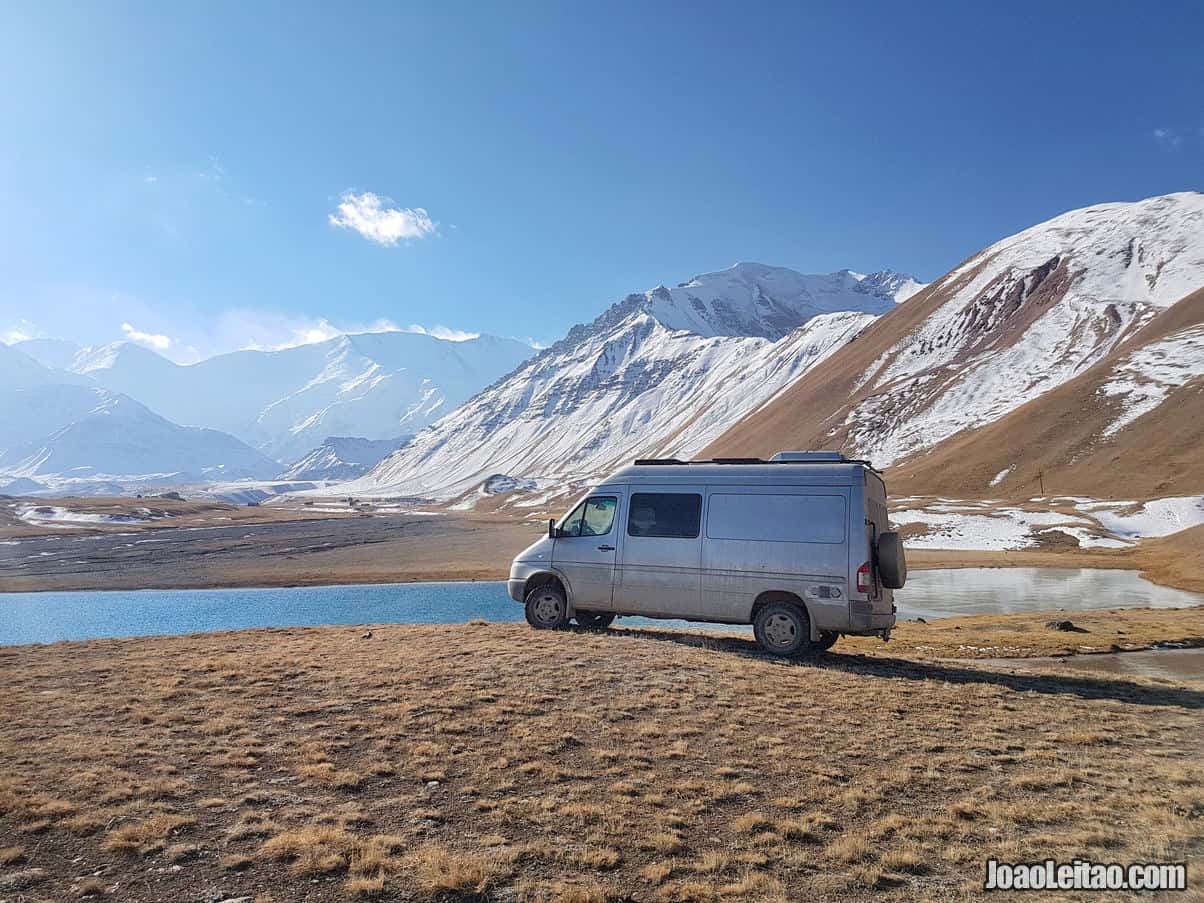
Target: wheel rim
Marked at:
780, 630
547, 609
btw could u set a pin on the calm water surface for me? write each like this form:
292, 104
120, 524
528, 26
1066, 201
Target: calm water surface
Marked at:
47, 617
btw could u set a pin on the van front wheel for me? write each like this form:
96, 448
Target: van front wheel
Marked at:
783, 629
827, 639
547, 608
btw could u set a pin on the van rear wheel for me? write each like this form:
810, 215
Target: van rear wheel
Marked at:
783, 629
594, 620
547, 608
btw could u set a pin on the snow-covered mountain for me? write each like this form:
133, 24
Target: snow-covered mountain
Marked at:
18, 371
57, 354
373, 385
1103, 287
661, 372
342, 458
112, 437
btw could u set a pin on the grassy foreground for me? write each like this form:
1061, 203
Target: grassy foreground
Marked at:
490, 762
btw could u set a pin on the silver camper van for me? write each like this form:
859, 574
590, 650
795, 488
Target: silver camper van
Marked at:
798, 546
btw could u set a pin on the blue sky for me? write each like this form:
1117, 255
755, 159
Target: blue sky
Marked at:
173, 169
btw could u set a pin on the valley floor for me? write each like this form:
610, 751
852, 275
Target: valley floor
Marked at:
489, 762
225, 546
275, 548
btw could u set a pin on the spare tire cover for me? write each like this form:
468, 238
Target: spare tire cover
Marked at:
892, 564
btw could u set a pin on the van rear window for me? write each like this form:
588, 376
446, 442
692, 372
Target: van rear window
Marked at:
673, 515
777, 518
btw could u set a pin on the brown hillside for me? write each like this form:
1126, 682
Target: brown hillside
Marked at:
1054, 437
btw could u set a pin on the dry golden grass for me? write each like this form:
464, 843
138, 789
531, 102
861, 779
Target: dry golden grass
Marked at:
91, 887
1026, 636
494, 762
11, 855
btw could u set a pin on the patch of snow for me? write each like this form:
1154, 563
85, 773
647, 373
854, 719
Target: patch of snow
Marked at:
1159, 517
964, 531
999, 477
53, 515
1003, 529
1144, 378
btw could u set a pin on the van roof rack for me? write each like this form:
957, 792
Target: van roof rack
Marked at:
792, 457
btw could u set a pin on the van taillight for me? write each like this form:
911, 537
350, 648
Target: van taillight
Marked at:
864, 583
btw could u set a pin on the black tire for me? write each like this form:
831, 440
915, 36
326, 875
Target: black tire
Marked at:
892, 563
783, 628
594, 620
547, 608
827, 639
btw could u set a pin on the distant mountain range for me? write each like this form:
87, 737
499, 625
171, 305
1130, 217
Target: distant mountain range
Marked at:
107, 414
55, 430
341, 458
664, 372
284, 403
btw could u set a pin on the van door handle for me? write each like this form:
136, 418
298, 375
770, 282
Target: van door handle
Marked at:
605, 548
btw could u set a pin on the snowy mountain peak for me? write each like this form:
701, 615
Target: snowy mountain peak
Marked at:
114, 354
888, 284
751, 300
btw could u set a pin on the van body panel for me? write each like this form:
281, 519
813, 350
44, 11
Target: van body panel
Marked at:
775, 538
705, 540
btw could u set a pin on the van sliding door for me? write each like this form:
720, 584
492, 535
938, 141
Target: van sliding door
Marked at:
662, 553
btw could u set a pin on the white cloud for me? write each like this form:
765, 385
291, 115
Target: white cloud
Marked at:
23, 331
150, 339
368, 215
444, 332
254, 330
1168, 138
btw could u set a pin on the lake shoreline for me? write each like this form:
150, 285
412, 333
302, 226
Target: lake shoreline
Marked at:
351, 573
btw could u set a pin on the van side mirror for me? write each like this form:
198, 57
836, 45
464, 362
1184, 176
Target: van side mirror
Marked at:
551, 528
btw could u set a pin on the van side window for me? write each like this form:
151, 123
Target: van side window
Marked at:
593, 517
777, 518
665, 514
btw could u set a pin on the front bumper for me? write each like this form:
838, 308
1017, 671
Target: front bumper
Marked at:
515, 588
